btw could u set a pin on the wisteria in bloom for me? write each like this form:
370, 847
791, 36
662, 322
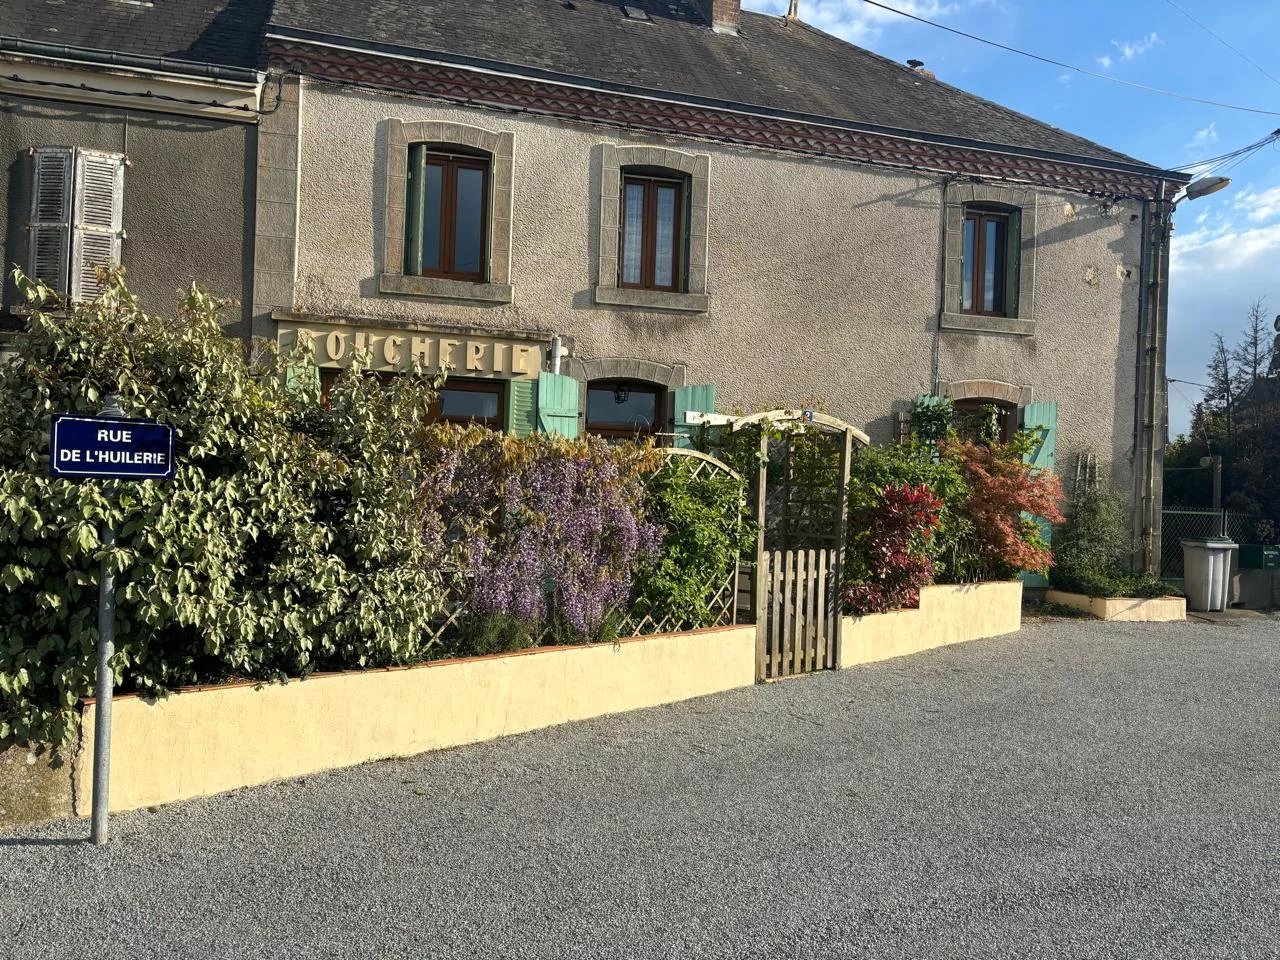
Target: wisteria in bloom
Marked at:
546, 529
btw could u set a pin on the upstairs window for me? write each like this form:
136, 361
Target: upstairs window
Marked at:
76, 225
447, 214
989, 278
652, 251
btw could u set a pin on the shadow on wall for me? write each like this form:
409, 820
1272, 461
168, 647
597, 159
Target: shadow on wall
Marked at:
1089, 218
16, 238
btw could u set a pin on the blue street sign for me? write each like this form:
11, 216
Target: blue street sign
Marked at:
111, 448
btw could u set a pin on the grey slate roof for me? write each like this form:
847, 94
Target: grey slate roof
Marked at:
226, 33
772, 63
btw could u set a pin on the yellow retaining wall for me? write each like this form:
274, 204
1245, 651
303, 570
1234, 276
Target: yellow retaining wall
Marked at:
1134, 609
947, 614
209, 739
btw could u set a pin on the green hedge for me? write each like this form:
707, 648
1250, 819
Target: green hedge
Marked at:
289, 540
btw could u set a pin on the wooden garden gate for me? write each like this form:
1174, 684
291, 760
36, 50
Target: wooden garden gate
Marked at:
801, 500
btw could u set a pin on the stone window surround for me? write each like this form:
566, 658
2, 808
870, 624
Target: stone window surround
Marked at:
667, 375
697, 168
997, 390
500, 146
1024, 199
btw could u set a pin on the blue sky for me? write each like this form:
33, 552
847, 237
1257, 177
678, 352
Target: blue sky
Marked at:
1226, 250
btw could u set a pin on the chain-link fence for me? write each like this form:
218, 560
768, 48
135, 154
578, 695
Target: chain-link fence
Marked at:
1182, 525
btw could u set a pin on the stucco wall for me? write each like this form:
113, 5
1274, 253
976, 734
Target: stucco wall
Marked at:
206, 740
187, 187
946, 615
824, 277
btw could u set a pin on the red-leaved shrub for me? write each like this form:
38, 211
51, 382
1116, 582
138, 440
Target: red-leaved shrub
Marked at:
887, 561
1005, 493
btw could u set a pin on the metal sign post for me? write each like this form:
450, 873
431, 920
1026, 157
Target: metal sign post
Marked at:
108, 447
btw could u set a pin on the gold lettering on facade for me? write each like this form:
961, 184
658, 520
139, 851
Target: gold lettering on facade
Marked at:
522, 360
340, 345
391, 350
335, 345
420, 351
446, 354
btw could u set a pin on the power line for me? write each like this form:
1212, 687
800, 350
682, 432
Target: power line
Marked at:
1232, 154
1238, 53
1068, 66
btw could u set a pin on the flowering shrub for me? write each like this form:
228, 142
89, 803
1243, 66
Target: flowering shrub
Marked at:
544, 531
888, 562
1004, 494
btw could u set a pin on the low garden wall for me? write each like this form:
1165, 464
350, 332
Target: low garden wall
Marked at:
947, 614
1133, 609
206, 740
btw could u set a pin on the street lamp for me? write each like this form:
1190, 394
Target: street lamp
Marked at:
1205, 186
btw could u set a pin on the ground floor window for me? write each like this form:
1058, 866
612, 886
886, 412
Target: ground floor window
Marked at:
624, 409
980, 419
460, 400
480, 402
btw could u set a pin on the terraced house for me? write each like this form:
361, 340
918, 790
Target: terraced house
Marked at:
618, 218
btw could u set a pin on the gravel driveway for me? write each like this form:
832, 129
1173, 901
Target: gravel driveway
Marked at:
1077, 790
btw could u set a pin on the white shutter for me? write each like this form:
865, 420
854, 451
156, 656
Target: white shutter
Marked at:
99, 219
50, 225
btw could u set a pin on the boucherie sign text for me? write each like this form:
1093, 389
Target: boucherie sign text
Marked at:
463, 355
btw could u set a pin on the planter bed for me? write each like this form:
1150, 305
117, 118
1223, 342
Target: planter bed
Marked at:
205, 740
1138, 609
947, 614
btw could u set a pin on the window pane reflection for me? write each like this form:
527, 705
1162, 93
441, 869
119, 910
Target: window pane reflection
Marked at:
468, 221
632, 233
663, 267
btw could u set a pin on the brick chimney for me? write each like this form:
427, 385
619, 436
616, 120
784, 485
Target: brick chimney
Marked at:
723, 15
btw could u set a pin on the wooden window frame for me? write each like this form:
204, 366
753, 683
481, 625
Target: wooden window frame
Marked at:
649, 232
500, 387
624, 431
981, 216
1008, 413
451, 163
497, 422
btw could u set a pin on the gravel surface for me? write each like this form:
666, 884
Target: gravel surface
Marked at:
1077, 790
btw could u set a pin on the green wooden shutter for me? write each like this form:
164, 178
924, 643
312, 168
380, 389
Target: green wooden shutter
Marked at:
558, 404
1012, 264
413, 211
700, 398
1042, 416
522, 405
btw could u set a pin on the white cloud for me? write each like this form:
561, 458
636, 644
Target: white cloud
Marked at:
1205, 137
1065, 79
856, 21
1135, 48
1229, 258
1128, 50
1259, 205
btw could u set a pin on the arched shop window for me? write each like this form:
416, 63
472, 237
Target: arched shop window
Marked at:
624, 409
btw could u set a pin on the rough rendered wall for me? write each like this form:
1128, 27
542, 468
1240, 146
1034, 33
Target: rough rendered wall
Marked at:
824, 277
187, 187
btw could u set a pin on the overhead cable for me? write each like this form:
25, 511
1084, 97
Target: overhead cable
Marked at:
1069, 66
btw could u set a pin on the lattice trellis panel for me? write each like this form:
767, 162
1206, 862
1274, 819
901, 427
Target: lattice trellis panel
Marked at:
721, 593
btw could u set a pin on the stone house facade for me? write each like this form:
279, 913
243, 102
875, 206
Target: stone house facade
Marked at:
624, 219
814, 261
